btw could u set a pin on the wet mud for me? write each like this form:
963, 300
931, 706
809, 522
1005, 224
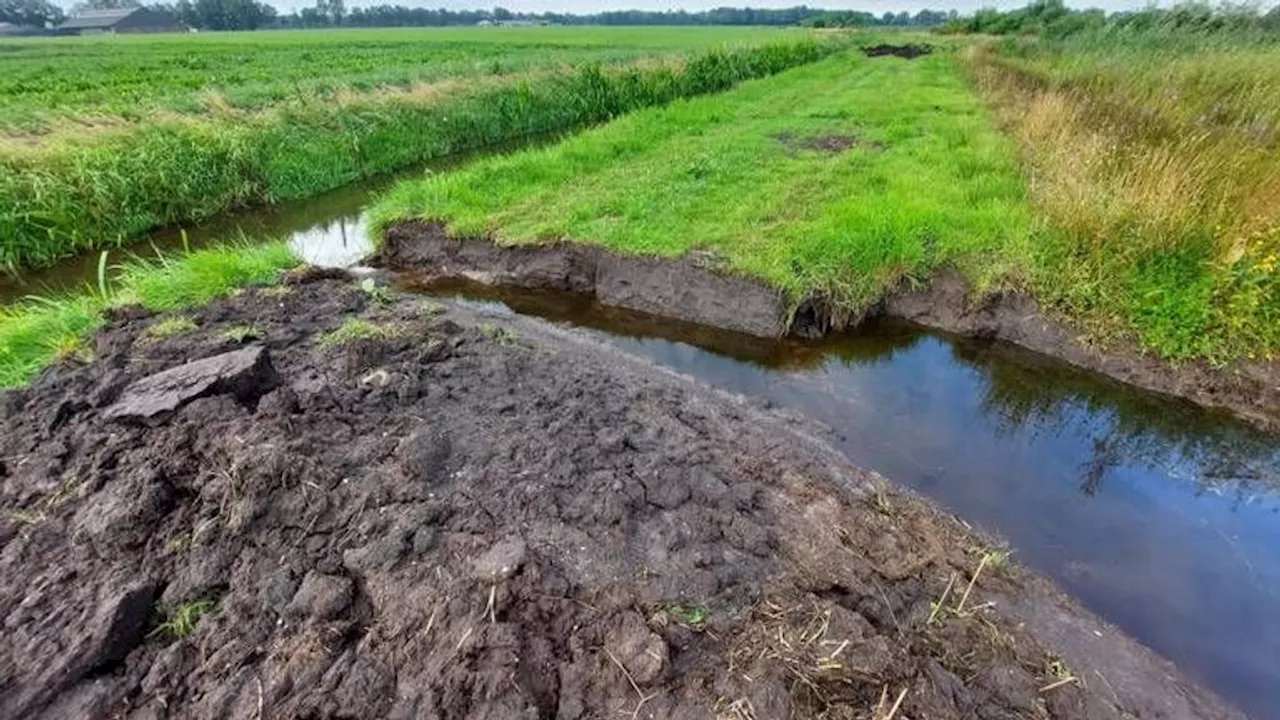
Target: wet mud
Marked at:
693, 289
452, 515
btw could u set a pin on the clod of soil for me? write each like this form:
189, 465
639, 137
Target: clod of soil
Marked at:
909, 52
508, 524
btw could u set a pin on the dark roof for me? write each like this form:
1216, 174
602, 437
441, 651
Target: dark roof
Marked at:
97, 19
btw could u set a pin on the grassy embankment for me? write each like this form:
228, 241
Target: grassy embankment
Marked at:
1154, 159
39, 332
134, 135
759, 177
1149, 216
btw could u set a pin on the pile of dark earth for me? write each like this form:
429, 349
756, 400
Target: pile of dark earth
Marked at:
435, 513
909, 51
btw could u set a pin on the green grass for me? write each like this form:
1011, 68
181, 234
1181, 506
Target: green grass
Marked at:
241, 333
72, 192
1148, 218
181, 621
41, 331
75, 83
356, 329
172, 326
927, 181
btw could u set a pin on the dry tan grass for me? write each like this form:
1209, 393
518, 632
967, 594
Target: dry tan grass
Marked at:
1101, 165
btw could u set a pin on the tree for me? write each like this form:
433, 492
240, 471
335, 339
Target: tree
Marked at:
228, 14
33, 13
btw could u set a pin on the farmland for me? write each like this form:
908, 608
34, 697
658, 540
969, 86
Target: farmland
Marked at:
107, 174
70, 86
232, 483
1147, 219
820, 180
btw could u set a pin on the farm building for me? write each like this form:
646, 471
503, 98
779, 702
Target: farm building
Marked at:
122, 20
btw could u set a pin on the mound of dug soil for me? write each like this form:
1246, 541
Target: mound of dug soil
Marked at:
433, 514
909, 52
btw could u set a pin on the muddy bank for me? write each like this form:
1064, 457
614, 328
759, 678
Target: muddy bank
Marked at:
443, 515
692, 290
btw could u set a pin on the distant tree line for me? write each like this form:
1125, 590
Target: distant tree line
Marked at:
332, 13
253, 14
30, 13
1053, 19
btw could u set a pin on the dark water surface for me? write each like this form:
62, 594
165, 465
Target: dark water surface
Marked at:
1159, 516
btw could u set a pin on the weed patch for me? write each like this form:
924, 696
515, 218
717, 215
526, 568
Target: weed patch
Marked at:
180, 622
171, 326
354, 329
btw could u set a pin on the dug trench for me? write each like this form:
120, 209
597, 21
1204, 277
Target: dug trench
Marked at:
695, 289
330, 503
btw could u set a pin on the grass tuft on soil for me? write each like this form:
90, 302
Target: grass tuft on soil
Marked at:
354, 329
41, 331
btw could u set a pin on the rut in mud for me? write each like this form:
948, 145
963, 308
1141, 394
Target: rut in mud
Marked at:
432, 515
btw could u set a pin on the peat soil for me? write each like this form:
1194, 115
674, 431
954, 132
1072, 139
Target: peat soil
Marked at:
907, 52
696, 290
447, 515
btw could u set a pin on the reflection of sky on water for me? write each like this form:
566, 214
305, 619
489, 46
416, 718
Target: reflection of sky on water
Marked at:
338, 243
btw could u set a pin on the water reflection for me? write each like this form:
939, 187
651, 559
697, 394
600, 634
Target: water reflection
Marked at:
1159, 516
328, 229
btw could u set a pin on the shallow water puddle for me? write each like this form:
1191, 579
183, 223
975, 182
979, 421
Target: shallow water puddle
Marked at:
1159, 516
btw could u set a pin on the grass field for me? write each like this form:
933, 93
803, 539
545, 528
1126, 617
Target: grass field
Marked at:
815, 180
375, 101
1146, 216
74, 85
1129, 183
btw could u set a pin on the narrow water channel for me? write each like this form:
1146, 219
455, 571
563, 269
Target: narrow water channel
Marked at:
328, 229
1159, 516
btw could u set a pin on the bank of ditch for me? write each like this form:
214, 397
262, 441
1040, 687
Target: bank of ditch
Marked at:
71, 197
319, 500
850, 187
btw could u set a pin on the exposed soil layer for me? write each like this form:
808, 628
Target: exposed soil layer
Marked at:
693, 290
829, 144
909, 52
459, 517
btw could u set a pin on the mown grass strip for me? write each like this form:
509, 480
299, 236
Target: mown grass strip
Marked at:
41, 331
841, 177
71, 197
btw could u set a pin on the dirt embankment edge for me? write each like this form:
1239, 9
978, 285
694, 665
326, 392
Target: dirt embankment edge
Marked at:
444, 519
688, 290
